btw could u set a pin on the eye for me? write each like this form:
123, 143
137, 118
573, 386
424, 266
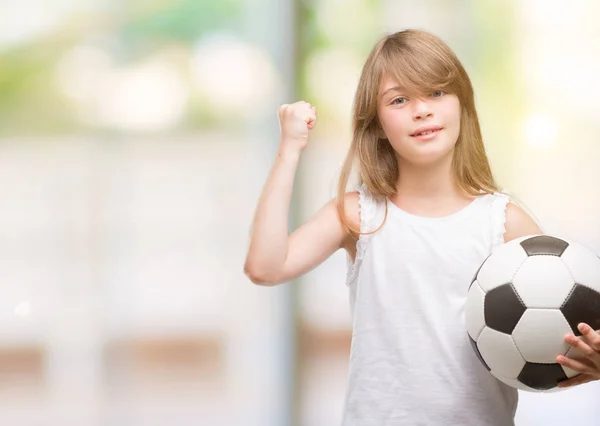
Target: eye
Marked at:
399, 101
438, 94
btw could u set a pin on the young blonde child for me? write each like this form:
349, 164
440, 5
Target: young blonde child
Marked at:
425, 215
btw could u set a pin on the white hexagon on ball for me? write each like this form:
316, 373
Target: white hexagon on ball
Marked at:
500, 267
573, 354
583, 264
539, 335
543, 282
474, 314
500, 353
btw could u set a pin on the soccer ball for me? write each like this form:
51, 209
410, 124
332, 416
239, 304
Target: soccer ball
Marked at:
525, 297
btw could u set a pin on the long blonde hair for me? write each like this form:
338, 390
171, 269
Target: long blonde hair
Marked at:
421, 63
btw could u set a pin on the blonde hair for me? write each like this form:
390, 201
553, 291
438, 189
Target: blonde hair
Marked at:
421, 63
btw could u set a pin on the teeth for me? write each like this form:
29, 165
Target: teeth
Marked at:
425, 133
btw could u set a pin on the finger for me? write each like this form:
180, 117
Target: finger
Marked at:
574, 381
281, 109
310, 107
591, 336
583, 347
580, 366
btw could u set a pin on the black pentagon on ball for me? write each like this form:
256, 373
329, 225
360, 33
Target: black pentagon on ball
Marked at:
582, 305
541, 376
476, 349
544, 245
502, 308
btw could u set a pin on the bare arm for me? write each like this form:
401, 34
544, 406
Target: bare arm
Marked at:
519, 224
274, 256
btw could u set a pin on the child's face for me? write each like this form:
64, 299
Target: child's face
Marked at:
403, 118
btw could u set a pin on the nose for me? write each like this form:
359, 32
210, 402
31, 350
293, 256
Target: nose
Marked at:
422, 109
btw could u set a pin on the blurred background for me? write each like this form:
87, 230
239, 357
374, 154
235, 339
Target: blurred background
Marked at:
135, 137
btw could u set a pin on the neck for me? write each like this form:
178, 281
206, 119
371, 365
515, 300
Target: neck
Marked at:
433, 181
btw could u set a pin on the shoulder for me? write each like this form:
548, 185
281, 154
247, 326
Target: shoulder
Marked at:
351, 213
352, 208
519, 223
363, 209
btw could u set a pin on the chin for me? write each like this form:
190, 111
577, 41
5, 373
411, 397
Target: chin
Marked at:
427, 155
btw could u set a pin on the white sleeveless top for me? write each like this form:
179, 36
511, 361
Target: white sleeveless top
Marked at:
411, 362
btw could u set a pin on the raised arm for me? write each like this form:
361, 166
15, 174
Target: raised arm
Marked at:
274, 256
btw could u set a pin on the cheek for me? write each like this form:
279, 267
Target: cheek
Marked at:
384, 120
451, 119
392, 124
455, 113
456, 126
455, 123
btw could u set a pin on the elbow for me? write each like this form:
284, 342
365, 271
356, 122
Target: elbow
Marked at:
258, 275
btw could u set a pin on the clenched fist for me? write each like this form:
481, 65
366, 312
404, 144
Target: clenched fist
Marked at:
296, 120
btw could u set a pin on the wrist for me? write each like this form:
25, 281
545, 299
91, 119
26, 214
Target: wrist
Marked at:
289, 151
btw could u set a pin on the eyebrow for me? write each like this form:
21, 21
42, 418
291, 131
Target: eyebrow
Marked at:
396, 88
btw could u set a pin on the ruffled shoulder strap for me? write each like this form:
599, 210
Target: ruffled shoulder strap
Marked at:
372, 214
498, 219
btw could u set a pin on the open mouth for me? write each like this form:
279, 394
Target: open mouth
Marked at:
427, 132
